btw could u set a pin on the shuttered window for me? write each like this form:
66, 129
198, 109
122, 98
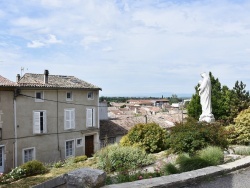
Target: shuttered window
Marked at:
69, 118
90, 117
39, 122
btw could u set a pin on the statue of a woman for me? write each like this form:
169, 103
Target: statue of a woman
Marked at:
205, 98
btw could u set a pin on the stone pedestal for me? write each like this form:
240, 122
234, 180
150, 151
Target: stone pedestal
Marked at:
208, 118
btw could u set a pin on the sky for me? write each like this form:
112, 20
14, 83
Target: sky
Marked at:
128, 47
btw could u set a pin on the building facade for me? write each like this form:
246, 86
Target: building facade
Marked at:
48, 118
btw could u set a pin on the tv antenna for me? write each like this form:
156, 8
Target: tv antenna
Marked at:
22, 70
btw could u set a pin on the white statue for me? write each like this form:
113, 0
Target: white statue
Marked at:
205, 99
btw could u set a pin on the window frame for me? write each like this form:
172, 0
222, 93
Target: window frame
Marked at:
33, 149
35, 127
71, 120
71, 96
39, 99
81, 144
73, 148
90, 118
90, 95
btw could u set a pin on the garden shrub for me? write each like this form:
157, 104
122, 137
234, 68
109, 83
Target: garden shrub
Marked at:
150, 137
209, 156
212, 154
191, 136
58, 164
122, 158
80, 158
33, 168
242, 150
240, 133
191, 163
170, 168
16, 173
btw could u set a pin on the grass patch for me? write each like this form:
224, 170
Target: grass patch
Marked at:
69, 165
242, 150
213, 155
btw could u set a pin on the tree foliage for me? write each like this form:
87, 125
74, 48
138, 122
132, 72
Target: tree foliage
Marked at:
240, 130
150, 137
226, 103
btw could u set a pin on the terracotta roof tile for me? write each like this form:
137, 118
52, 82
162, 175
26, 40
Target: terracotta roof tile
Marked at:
111, 129
54, 81
6, 82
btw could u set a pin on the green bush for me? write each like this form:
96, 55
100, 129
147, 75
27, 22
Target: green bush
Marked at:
206, 157
33, 168
242, 150
122, 158
191, 163
150, 137
213, 155
80, 158
16, 173
170, 168
58, 164
240, 130
192, 136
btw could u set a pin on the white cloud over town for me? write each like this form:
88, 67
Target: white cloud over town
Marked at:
128, 47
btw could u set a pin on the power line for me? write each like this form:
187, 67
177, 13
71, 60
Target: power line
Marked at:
63, 102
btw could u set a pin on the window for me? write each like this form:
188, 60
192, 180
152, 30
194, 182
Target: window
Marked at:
69, 148
69, 118
69, 96
1, 159
39, 96
91, 95
28, 154
39, 122
79, 142
90, 117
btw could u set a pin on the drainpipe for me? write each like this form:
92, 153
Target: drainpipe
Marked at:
15, 133
57, 127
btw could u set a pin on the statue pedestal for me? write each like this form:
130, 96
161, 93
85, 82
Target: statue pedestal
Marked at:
208, 118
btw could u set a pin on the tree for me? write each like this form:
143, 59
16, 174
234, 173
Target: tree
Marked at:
240, 130
173, 99
240, 100
194, 106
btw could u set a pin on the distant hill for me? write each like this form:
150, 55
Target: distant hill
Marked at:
154, 95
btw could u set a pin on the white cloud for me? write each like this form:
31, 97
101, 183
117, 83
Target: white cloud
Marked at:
35, 44
51, 39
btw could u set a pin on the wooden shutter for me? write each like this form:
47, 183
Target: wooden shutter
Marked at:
89, 117
36, 122
72, 114
44, 122
69, 117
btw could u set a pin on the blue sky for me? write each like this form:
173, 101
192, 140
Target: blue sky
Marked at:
128, 47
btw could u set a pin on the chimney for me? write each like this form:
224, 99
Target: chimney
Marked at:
17, 77
46, 76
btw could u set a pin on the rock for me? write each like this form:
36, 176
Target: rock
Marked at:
85, 177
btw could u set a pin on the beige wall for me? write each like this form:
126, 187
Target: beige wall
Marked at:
50, 146
7, 125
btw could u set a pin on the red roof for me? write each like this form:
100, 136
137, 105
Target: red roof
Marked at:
6, 82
